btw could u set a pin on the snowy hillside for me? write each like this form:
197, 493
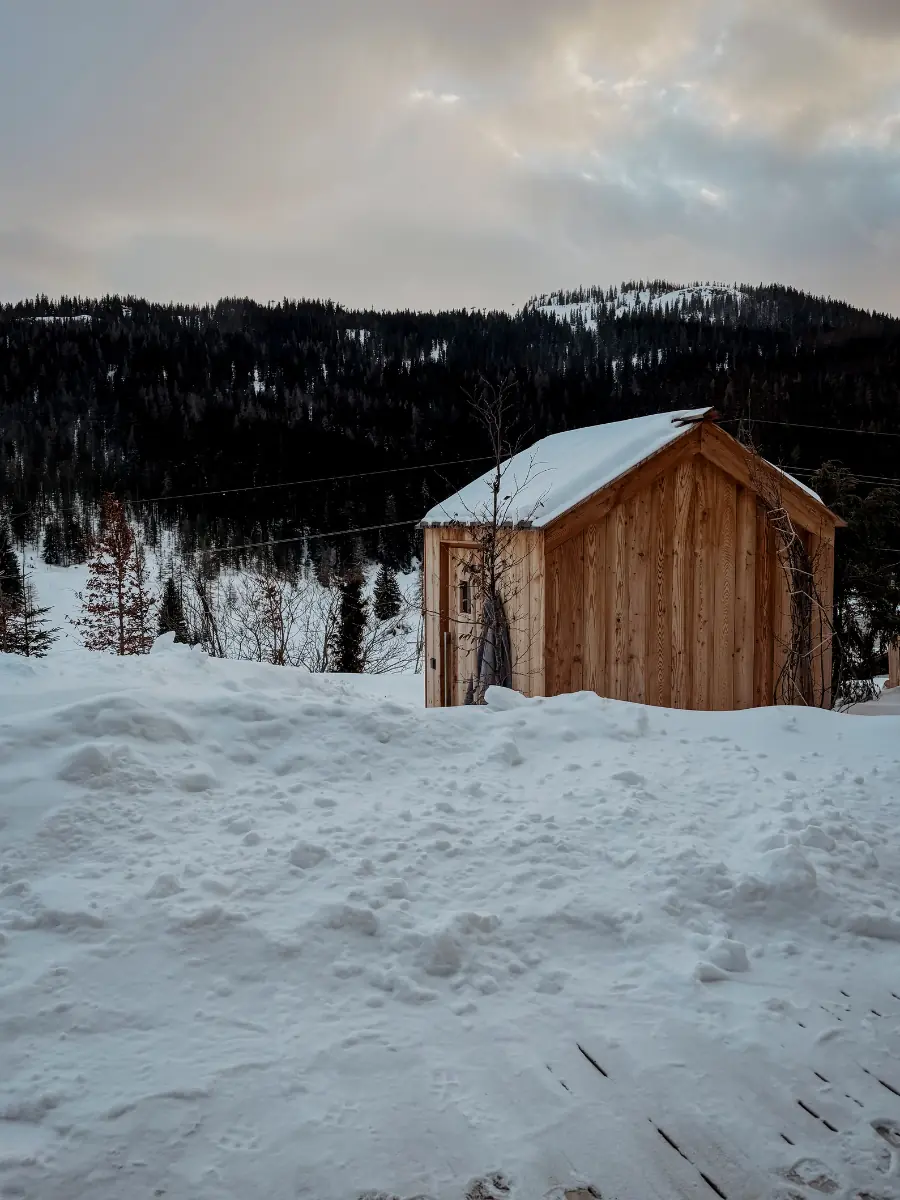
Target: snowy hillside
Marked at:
271, 934
690, 302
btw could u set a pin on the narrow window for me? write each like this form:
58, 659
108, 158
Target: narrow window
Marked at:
465, 597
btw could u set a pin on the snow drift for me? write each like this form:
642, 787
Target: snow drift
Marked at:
265, 933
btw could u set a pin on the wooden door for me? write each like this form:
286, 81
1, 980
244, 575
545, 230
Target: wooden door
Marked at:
461, 635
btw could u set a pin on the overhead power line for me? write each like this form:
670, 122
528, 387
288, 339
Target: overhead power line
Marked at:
861, 478
306, 537
263, 487
802, 425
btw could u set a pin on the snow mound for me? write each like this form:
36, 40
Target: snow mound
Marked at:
258, 925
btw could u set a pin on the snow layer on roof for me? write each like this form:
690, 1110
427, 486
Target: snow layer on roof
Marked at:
553, 475
795, 480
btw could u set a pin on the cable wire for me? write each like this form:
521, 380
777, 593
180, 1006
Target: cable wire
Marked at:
303, 537
802, 425
262, 487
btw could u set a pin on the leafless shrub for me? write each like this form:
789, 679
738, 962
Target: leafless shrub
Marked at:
265, 616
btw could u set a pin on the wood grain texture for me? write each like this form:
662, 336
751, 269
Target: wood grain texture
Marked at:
596, 586
571, 648
536, 607
744, 597
735, 460
575, 600
594, 508
763, 647
682, 583
431, 586
703, 600
514, 589
822, 555
638, 596
463, 626
894, 665
565, 617
782, 681
825, 577
724, 588
659, 650
618, 537
552, 569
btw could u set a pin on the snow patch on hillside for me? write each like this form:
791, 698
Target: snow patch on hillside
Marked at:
592, 312
56, 319
263, 932
678, 298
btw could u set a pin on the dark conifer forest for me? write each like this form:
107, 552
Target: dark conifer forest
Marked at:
160, 404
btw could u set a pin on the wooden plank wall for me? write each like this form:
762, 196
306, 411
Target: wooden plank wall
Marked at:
431, 599
893, 665
673, 597
524, 592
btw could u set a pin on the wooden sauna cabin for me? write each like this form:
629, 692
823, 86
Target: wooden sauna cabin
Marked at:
641, 565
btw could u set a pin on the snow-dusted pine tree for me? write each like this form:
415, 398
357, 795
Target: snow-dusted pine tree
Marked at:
387, 598
10, 575
54, 546
117, 605
75, 542
23, 625
171, 612
139, 604
351, 629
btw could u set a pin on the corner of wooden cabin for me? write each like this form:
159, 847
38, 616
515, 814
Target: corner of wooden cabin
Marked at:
523, 590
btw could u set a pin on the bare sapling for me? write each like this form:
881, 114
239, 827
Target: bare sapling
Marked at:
498, 567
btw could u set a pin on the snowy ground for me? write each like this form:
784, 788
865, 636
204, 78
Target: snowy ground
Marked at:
57, 588
267, 934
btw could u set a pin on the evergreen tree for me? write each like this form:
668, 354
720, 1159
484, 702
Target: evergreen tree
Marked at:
34, 636
139, 604
388, 599
54, 548
75, 541
171, 612
9, 614
351, 624
10, 576
117, 605
23, 625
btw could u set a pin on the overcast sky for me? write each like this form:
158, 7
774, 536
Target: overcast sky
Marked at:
434, 153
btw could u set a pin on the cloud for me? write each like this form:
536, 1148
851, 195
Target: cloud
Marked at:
455, 152
419, 94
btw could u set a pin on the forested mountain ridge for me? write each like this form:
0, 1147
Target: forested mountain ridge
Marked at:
147, 400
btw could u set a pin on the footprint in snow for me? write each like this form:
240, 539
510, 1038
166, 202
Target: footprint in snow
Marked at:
489, 1187
811, 1173
630, 778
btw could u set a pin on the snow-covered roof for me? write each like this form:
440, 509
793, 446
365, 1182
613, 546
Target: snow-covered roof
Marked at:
553, 475
557, 472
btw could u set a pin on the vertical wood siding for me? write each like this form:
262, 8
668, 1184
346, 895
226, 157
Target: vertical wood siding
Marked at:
674, 597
